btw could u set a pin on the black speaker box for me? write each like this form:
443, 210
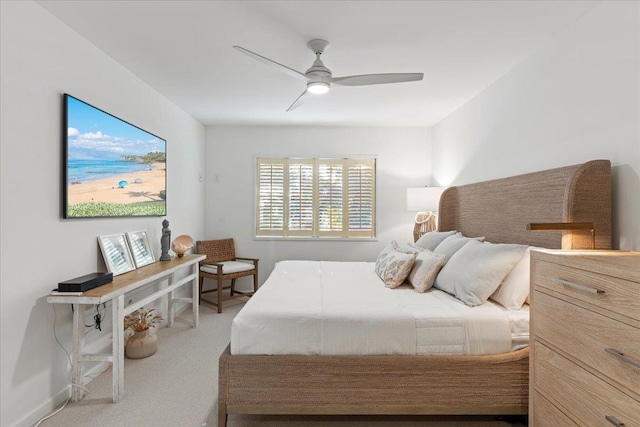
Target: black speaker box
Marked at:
84, 283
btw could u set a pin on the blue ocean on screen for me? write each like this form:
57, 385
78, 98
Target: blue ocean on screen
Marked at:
89, 170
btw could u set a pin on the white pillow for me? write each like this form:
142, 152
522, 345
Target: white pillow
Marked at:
431, 239
452, 244
424, 270
475, 271
393, 266
514, 289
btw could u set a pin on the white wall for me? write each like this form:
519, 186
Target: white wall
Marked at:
576, 99
41, 59
403, 160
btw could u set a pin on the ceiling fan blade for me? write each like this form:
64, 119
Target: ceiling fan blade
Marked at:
376, 79
283, 68
298, 102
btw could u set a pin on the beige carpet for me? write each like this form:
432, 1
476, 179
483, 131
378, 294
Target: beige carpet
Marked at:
178, 387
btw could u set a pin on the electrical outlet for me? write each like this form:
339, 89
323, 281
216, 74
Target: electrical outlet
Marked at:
216, 178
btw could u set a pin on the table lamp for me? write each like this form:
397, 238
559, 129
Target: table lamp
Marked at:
425, 201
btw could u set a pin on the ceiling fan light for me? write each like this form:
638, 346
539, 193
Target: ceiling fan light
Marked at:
318, 88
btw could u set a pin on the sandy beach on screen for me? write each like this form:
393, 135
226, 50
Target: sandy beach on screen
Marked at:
107, 190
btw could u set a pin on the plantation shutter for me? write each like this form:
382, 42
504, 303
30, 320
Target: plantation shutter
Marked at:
330, 197
300, 198
270, 194
361, 197
316, 198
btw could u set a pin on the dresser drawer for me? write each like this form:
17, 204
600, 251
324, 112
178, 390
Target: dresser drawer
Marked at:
547, 415
585, 398
609, 293
586, 336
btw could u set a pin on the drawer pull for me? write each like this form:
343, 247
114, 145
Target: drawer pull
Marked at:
613, 420
621, 356
578, 286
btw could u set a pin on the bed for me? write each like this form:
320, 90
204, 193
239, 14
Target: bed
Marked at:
432, 384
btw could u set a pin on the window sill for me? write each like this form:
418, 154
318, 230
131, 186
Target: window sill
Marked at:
316, 239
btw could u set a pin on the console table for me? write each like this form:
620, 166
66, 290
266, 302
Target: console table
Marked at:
116, 292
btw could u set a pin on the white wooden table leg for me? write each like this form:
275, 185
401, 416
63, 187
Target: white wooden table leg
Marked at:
78, 341
195, 296
118, 348
171, 297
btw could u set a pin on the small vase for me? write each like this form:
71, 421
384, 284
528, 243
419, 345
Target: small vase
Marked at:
141, 344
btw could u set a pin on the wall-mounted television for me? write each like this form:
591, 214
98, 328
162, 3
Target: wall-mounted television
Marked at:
111, 167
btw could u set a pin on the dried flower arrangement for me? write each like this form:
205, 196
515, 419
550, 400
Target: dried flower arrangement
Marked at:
141, 320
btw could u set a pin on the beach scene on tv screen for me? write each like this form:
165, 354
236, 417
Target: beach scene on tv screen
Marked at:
113, 167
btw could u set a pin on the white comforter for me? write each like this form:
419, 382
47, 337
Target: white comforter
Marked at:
339, 308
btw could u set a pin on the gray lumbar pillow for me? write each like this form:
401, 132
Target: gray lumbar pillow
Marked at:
453, 244
432, 239
476, 270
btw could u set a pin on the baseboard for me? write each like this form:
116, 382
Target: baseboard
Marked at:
45, 408
50, 404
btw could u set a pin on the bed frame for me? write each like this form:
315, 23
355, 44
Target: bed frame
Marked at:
433, 384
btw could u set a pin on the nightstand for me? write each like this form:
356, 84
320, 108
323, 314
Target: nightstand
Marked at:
585, 339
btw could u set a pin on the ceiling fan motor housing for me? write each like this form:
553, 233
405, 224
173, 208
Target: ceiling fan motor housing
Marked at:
318, 71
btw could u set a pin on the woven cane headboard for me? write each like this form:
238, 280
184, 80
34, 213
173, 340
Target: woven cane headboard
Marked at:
500, 209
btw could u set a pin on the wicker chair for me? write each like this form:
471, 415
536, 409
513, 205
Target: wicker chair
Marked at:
222, 264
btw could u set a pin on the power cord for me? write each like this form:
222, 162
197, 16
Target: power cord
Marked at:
97, 318
41, 420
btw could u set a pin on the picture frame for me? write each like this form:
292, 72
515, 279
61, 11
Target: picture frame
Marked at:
116, 253
111, 168
140, 248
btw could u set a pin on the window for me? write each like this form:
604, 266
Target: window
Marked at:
316, 198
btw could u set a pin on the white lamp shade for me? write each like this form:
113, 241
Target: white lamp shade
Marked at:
424, 199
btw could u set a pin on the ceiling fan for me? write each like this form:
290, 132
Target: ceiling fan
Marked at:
319, 78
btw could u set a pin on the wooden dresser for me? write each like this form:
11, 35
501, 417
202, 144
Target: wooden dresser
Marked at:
585, 335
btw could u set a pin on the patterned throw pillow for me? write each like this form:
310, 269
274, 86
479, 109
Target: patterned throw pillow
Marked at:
410, 248
393, 266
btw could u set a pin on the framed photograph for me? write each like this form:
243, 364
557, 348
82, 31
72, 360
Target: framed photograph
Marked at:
140, 248
115, 251
111, 167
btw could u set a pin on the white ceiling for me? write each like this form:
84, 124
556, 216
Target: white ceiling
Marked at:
183, 49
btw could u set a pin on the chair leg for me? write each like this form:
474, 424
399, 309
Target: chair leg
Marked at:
219, 295
233, 287
200, 293
255, 282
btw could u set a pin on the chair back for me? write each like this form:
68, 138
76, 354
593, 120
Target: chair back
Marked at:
216, 250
